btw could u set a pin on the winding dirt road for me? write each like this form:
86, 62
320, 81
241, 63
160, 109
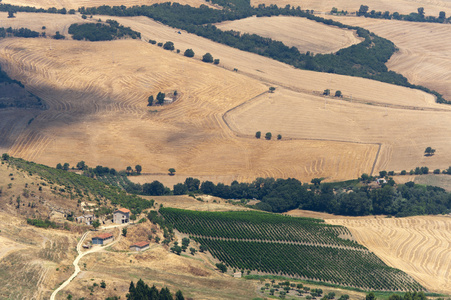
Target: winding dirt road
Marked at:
80, 255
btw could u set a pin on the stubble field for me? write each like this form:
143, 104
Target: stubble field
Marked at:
423, 55
97, 92
295, 32
420, 246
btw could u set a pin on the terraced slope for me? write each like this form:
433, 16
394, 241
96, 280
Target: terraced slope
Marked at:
420, 246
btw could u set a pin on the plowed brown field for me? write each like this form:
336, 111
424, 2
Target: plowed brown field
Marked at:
420, 246
295, 32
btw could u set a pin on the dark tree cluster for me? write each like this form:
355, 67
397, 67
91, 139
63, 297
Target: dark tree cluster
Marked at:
143, 292
343, 198
102, 32
21, 32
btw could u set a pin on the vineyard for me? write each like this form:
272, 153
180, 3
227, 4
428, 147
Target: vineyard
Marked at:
80, 187
296, 247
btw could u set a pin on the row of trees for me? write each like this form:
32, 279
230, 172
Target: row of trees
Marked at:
98, 170
418, 16
268, 135
337, 93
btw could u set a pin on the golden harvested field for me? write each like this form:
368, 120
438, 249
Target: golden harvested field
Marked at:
420, 246
402, 6
97, 95
296, 32
424, 49
75, 4
313, 117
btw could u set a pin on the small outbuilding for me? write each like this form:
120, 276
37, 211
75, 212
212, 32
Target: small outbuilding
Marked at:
141, 246
121, 216
102, 239
87, 219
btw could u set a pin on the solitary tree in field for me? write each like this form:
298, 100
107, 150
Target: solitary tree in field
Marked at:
258, 134
124, 232
272, 89
429, 151
338, 94
138, 169
326, 92
268, 136
171, 171
279, 136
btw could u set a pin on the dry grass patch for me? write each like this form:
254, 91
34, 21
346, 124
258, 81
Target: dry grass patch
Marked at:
186, 202
195, 277
29, 258
304, 34
417, 245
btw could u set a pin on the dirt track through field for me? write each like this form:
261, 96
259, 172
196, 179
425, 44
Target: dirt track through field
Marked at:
420, 246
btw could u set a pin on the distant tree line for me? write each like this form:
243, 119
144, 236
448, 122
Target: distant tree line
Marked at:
52, 10
102, 32
418, 16
21, 32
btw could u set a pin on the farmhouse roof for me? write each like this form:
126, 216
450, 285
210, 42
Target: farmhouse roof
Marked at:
103, 236
123, 210
140, 244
